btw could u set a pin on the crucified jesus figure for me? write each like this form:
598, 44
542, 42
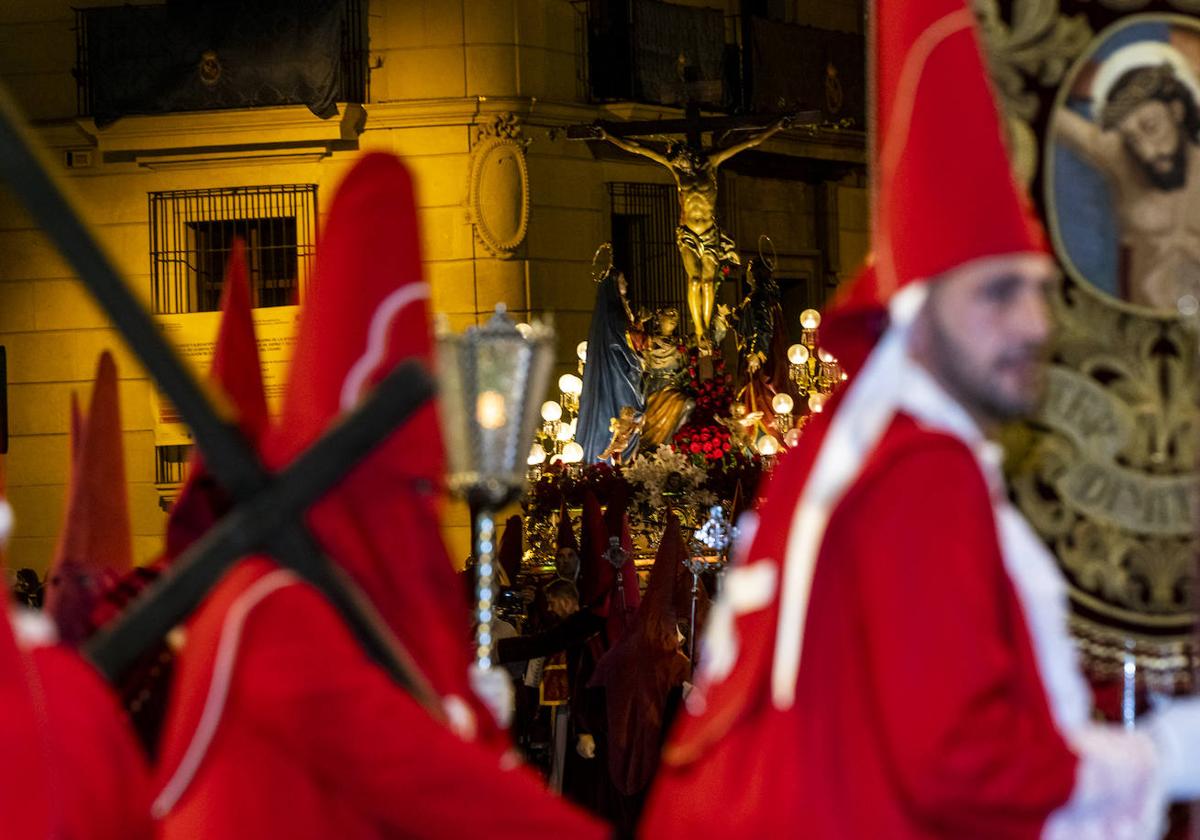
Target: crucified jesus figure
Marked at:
702, 244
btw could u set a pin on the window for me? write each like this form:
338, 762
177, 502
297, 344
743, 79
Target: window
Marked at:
661, 52
192, 234
171, 464
191, 237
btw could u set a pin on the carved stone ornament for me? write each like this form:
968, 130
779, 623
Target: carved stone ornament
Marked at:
1107, 471
498, 188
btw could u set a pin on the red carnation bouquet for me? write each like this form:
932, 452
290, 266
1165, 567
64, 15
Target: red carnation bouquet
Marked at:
702, 437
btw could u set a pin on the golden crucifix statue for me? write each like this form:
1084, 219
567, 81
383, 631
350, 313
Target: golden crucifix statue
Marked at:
702, 244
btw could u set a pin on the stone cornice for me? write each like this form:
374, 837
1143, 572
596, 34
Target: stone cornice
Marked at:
209, 136
293, 125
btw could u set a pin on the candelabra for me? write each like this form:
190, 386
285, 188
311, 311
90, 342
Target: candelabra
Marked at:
813, 371
768, 447
489, 376
570, 386
804, 359
559, 419
535, 461
783, 405
551, 416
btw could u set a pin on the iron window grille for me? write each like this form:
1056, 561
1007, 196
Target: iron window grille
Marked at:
191, 237
171, 462
644, 217
192, 234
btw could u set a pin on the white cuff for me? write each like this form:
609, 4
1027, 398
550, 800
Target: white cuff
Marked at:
1118, 791
1175, 730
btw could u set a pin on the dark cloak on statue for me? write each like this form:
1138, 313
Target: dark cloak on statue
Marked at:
612, 377
760, 325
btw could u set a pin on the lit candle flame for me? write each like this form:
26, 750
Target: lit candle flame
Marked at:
489, 410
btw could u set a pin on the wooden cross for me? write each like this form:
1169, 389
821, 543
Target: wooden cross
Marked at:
267, 511
692, 126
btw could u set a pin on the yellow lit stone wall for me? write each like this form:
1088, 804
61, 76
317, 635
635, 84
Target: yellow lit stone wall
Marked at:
441, 69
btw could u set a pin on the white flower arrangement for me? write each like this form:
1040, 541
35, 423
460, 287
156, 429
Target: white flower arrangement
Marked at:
653, 474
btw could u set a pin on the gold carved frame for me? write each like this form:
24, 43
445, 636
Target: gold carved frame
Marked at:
1107, 471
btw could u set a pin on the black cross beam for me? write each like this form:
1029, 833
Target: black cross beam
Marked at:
267, 512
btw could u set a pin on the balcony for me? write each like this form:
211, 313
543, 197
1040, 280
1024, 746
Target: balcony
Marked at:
173, 57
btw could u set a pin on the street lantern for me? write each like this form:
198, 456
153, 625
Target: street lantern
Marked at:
491, 377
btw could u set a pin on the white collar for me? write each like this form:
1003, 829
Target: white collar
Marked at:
925, 400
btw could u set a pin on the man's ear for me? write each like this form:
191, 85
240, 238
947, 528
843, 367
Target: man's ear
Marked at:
1178, 111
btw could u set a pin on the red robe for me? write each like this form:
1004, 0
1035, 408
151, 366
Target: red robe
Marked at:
281, 727
101, 785
919, 710
69, 766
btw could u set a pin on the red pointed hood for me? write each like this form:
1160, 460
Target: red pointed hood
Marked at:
943, 191
367, 311
95, 546
616, 522
75, 439
639, 672
595, 574
236, 366
25, 770
655, 622
236, 370
566, 533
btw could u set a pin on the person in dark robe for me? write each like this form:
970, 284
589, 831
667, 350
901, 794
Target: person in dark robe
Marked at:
643, 677
612, 377
585, 780
574, 626
512, 549
626, 592
569, 650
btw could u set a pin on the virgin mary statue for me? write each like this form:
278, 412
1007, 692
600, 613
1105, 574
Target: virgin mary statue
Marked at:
612, 377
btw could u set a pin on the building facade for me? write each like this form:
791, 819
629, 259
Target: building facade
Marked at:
462, 90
